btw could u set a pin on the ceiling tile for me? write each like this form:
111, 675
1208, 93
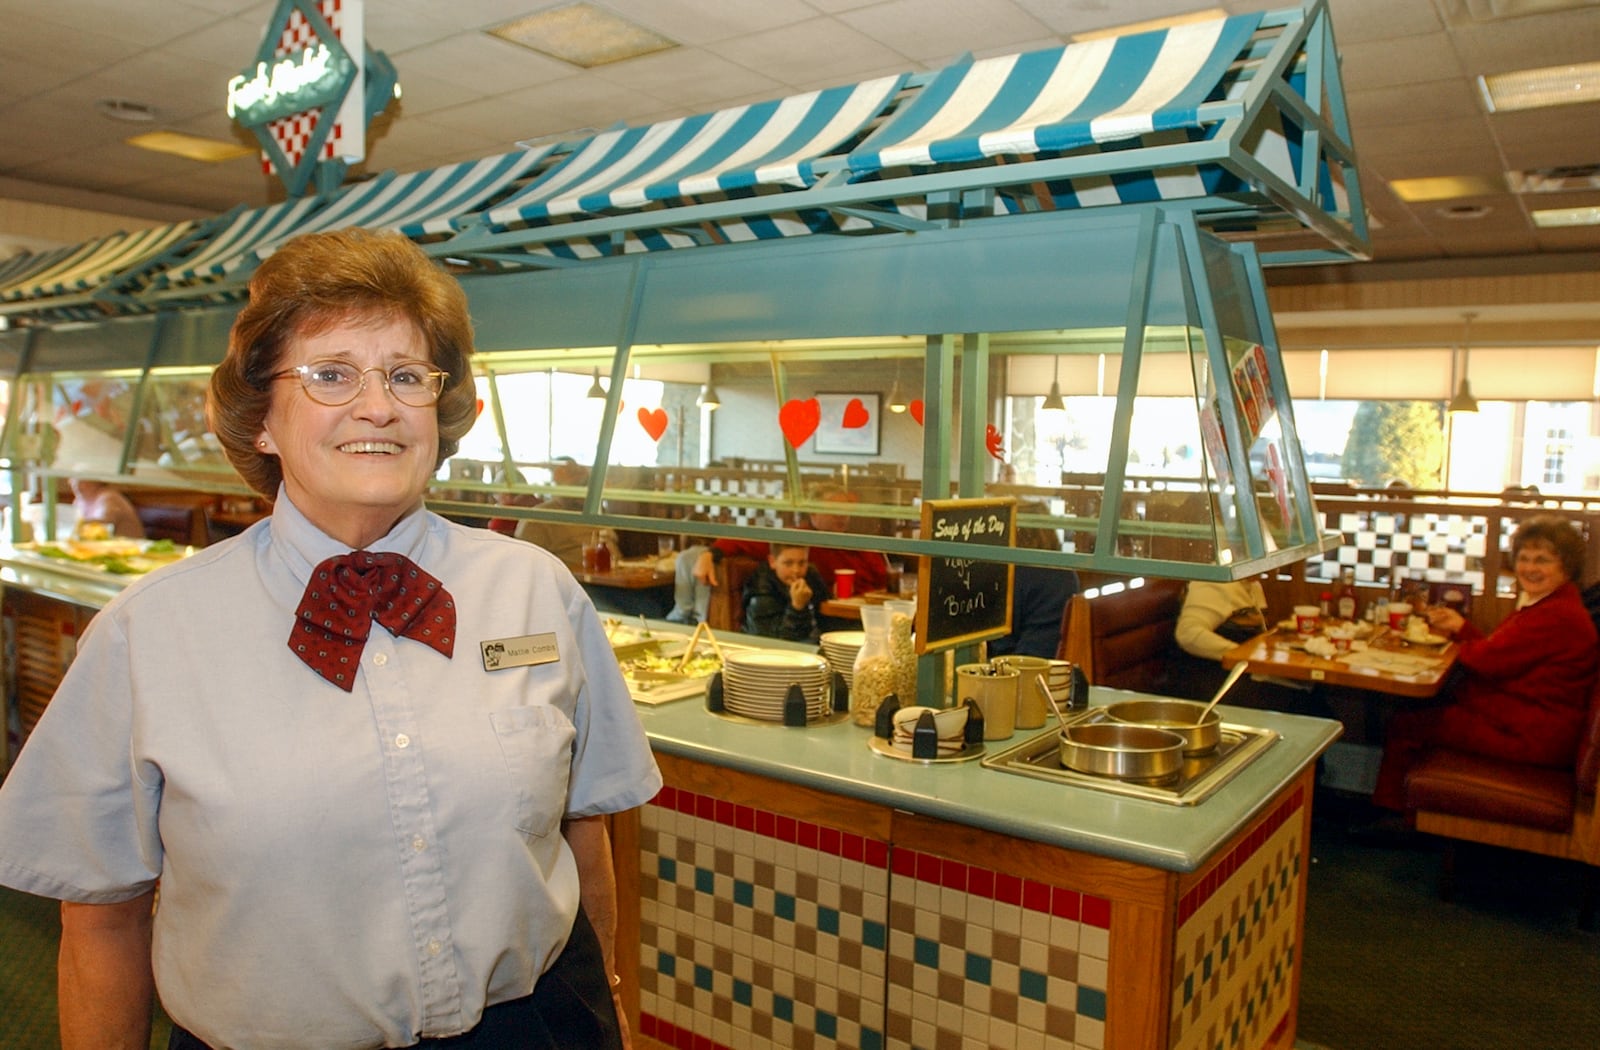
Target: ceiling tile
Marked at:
1425, 103
821, 50
1550, 40
694, 22
486, 63
690, 77
1399, 60
925, 30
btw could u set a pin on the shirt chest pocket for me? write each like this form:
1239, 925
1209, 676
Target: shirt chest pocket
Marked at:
536, 745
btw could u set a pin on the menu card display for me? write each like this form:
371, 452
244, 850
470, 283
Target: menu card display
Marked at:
963, 600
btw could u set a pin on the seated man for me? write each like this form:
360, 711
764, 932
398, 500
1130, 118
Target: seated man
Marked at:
783, 598
564, 541
1216, 617
1039, 594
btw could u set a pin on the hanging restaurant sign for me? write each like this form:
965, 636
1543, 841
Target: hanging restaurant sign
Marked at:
311, 92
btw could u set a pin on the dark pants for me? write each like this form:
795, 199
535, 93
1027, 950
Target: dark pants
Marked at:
570, 1009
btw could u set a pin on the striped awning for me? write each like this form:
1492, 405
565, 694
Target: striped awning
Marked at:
424, 200
773, 143
231, 244
98, 261
417, 203
17, 268
1059, 99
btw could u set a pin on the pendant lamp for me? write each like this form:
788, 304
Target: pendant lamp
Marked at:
1464, 401
1054, 402
709, 398
595, 389
897, 404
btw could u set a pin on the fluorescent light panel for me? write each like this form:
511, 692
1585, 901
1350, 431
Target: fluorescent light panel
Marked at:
1547, 86
190, 147
1446, 187
1551, 218
583, 35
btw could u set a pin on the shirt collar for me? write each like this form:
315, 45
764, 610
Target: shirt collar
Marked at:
304, 545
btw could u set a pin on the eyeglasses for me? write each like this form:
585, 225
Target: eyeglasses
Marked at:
334, 383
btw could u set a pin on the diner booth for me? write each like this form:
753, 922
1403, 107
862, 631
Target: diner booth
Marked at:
719, 314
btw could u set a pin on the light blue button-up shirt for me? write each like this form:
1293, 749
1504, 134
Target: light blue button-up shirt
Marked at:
337, 869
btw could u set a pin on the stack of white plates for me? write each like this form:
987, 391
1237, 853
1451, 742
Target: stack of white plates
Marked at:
755, 683
840, 649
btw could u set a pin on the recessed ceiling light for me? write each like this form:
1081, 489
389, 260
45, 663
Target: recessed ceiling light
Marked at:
582, 34
1463, 212
1548, 218
1210, 14
1548, 86
1444, 187
192, 147
122, 109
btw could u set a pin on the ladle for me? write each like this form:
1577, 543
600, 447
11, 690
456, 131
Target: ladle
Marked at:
1054, 706
1227, 683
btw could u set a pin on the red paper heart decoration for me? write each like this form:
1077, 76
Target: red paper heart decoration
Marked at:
654, 421
855, 414
996, 443
799, 420
916, 411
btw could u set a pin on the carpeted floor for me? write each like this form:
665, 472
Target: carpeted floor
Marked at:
30, 931
1388, 965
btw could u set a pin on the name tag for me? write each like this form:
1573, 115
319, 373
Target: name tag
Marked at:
525, 651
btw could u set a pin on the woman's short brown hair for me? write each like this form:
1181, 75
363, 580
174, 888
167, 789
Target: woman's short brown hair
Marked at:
1559, 535
312, 284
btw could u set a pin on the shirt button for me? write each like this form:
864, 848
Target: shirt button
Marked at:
402, 741
380, 659
434, 947
419, 844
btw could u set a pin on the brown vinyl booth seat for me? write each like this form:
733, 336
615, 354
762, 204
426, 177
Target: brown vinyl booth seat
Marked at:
1515, 806
725, 609
1126, 639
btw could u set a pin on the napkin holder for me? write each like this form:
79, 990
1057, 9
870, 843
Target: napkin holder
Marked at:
883, 722
794, 706
714, 695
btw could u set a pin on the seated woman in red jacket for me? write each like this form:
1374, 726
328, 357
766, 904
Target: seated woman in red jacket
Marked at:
1526, 688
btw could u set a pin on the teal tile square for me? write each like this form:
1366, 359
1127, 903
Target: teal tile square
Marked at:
827, 1025
1091, 1003
666, 964
979, 968
1227, 944
1205, 967
705, 880
744, 893
783, 1008
828, 920
783, 906
1188, 989
666, 869
702, 977
871, 1039
875, 935
743, 993
1031, 984
925, 952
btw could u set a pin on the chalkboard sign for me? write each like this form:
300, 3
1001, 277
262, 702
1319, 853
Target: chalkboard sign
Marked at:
965, 599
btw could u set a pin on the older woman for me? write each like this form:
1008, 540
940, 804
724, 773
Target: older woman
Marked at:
365, 751
1527, 684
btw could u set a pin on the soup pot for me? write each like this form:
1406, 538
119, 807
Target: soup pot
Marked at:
1128, 752
1183, 717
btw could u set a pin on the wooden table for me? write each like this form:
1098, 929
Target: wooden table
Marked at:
850, 608
1271, 654
630, 589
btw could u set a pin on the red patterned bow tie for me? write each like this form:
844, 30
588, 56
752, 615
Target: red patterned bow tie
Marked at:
346, 593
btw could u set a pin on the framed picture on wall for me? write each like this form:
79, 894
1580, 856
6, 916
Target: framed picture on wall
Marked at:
848, 424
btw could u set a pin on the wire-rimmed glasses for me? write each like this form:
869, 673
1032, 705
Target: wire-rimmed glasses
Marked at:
334, 382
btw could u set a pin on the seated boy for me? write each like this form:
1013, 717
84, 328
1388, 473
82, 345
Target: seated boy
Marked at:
782, 598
